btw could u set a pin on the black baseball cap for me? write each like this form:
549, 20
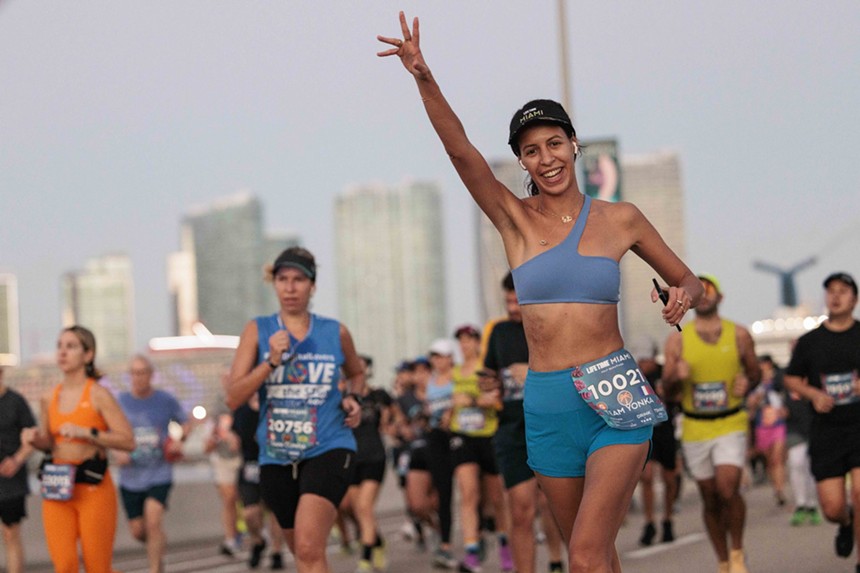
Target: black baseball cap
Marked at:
845, 278
293, 259
538, 111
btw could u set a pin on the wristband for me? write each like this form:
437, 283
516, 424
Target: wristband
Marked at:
355, 397
271, 364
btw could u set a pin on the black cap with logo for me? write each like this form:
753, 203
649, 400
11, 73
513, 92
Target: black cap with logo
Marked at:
539, 110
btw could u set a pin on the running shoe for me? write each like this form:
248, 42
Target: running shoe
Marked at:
277, 563
470, 563
845, 538
379, 558
798, 517
814, 516
443, 559
229, 548
506, 561
364, 566
256, 554
407, 530
737, 561
648, 533
668, 531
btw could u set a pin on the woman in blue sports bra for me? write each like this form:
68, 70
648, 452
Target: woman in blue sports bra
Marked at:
589, 411
295, 361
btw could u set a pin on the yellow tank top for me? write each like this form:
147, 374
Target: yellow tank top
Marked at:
471, 421
708, 390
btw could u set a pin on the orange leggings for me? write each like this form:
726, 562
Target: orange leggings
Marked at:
91, 516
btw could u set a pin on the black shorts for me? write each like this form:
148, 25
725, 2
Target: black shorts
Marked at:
368, 471
664, 446
133, 501
327, 475
474, 450
834, 450
13, 510
419, 457
512, 456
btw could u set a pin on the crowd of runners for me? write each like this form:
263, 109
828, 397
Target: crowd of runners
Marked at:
450, 428
543, 414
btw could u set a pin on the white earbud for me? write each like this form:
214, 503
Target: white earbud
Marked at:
520, 161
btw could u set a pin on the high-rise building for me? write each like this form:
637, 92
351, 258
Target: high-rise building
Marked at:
10, 332
101, 297
653, 183
492, 261
216, 277
391, 270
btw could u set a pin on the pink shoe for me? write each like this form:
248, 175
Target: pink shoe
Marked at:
470, 564
505, 560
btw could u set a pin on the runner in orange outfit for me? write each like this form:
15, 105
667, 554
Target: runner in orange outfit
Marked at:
79, 421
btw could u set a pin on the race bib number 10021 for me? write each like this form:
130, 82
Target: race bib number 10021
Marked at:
619, 393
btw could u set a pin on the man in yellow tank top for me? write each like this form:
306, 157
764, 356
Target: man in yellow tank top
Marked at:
713, 363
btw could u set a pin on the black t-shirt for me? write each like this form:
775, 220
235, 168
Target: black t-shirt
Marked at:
367, 436
830, 361
15, 415
506, 346
245, 420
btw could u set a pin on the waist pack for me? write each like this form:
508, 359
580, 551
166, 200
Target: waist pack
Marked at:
91, 471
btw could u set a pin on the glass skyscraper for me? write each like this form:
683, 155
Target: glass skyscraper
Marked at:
391, 270
101, 298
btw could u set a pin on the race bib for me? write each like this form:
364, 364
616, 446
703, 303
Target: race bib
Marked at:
58, 482
710, 397
618, 392
840, 387
513, 390
471, 419
291, 431
251, 472
148, 450
403, 463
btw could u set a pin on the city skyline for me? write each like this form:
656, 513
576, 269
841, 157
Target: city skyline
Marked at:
107, 138
217, 276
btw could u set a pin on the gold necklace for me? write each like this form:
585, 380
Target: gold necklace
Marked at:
564, 219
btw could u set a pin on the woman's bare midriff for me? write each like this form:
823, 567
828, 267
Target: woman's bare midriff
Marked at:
563, 335
73, 452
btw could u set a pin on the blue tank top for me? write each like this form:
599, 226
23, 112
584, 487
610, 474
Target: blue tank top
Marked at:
561, 274
300, 415
438, 400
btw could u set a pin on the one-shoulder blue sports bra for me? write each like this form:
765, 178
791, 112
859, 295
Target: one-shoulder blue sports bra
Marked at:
561, 274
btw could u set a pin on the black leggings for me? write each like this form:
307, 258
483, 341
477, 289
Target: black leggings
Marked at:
439, 460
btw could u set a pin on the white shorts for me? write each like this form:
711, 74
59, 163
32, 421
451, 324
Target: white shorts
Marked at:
225, 470
702, 457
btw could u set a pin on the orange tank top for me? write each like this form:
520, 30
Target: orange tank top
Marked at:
84, 414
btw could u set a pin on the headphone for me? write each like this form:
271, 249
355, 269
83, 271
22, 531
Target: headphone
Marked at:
523, 165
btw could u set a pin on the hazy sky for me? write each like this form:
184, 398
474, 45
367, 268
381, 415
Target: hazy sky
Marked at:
116, 116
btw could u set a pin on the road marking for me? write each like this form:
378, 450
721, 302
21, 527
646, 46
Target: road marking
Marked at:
663, 547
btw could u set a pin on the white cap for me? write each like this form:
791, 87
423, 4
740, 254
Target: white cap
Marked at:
443, 347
